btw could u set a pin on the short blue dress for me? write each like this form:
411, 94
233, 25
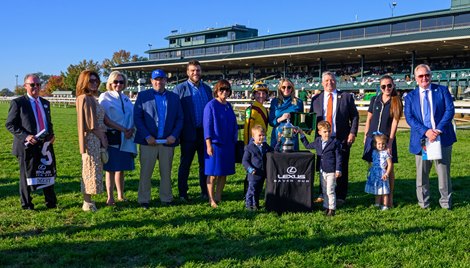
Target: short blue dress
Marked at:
220, 125
375, 185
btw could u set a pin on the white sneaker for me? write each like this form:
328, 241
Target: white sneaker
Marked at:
384, 208
89, 206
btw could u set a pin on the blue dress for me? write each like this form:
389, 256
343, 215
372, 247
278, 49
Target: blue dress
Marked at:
276, 111
220, 125
375, 185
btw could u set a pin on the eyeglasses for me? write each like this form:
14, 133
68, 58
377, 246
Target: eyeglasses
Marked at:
225, 89
288, 87
34, 84
424, 75
385, 86
116, 82
94, 81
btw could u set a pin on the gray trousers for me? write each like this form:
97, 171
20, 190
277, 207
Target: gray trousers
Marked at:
423, 167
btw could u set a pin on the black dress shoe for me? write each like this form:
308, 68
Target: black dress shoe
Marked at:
145, 205
28, 207
51, 206
167, 204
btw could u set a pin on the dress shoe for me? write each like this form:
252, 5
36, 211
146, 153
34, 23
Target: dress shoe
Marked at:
145, 205
51, 206
204, 197
340, 202
167, 204
28, 207
184, 199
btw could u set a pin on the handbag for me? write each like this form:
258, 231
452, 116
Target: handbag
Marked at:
113, 136
104, 155
239, 148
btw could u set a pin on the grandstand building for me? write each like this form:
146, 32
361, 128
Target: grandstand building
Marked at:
359, 52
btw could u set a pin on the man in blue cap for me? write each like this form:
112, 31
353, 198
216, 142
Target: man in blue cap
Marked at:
158, 118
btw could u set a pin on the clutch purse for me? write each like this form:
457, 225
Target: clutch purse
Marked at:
104, 155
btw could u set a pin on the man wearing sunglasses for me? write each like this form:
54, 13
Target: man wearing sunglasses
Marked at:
28, 116
429, 110
339, 109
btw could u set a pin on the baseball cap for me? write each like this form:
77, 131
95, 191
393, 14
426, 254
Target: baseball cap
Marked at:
158, 73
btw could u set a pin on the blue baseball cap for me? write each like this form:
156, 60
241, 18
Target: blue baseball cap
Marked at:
158, 73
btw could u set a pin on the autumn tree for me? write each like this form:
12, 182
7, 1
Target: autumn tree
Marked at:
55, 82
118, 58
70, 77
20, 90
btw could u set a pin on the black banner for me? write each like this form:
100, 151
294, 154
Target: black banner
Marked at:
40, 165
289, 181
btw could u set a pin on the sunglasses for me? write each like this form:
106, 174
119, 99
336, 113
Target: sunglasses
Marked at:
34, 84
288, 87
94, 81
385, 86
225, 89
117, 82
424, 75
260, 86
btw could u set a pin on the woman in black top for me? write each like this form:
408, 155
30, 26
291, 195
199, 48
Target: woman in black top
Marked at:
385, 111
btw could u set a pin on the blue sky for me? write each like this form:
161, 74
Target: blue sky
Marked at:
47, 36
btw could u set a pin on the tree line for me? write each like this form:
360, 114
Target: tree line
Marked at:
67, 80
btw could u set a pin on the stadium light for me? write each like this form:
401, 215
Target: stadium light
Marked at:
392, 6
16, 76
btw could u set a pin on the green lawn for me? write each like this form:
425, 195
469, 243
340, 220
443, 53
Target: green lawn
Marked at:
194, 235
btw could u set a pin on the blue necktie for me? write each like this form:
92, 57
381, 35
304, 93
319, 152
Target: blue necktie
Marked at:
427, 110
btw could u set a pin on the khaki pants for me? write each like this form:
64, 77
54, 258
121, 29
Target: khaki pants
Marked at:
148, 158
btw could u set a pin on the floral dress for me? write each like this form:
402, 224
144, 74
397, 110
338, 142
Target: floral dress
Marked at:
92, 167
375, 185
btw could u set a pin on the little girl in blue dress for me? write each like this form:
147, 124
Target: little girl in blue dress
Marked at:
377, 178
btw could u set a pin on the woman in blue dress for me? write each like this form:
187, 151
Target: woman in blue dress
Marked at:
221, 134
280, 110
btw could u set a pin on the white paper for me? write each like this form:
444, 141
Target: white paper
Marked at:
433, 149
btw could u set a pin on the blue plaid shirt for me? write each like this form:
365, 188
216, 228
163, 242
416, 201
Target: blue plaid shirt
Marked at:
199, 100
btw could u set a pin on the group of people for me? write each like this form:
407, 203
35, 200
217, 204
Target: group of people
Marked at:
202, 121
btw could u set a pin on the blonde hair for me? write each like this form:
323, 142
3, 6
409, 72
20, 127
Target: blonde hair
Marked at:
113, 76
324, 124
280, 97
259, 128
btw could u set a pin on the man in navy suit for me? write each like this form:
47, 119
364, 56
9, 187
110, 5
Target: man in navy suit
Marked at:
194, 95
28, 115
429, 110
344, 124
158, 118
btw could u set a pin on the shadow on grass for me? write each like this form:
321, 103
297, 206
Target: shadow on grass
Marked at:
162, 250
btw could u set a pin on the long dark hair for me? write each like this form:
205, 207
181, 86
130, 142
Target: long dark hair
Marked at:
396, 106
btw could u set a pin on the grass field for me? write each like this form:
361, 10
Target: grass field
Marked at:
194, 235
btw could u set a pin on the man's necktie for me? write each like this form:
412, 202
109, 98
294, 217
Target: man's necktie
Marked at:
39, 114
329, 109
427, 110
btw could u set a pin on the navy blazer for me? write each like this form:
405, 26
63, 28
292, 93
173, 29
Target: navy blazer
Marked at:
330, 158
21, 122
253, 158
146, 117
443, 110
347, 117
183, 90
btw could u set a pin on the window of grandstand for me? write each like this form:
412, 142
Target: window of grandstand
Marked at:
329, 36
224, 49
289, 41
272, 43
405, 27
436, 23
352, 33
308, 39
462, 20
377, 30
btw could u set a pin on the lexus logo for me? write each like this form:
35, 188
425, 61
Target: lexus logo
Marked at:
291, 170
41, 167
